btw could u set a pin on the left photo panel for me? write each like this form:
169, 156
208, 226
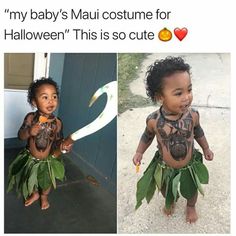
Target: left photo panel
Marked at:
60, 142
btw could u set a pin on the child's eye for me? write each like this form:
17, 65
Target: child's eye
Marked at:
45, 97
55, 97
178, 94
190, 90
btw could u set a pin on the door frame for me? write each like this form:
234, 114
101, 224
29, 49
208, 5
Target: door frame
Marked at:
15, 100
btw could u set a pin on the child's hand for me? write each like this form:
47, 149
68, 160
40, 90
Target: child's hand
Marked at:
66, 147
137, 158
34, 130
208, 154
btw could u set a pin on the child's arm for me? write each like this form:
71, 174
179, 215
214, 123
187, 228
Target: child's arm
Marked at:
27, 130
145, 141
201, 140
205, 148
59, 134
66, 146
61, 145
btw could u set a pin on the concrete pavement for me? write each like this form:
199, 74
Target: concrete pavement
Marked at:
211, 89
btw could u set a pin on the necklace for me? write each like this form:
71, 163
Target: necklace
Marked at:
164, 114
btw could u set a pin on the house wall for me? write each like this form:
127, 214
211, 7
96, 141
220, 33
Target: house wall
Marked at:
83, 74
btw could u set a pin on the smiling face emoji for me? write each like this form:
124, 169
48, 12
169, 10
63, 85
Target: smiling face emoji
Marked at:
165, 35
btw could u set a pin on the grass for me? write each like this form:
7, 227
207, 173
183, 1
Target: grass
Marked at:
128, 68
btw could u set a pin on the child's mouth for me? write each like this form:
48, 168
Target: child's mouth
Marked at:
184, 107
50, 108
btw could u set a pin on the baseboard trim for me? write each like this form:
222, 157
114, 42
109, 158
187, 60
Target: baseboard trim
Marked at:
88, 169
13, 143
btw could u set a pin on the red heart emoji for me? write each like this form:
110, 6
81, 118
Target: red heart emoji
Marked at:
180, 33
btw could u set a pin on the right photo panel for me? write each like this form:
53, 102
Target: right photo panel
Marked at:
173, 148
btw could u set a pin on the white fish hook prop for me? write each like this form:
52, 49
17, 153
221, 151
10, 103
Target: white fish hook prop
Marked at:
106, 116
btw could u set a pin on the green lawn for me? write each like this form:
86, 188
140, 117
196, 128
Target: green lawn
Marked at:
128, 68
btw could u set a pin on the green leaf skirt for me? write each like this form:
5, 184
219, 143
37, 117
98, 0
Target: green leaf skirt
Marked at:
28, 174
185, 181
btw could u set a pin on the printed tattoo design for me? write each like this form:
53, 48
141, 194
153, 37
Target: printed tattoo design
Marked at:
26, 123
48, 137
175, 135
165, 113
198, 132
147, 135
58, 138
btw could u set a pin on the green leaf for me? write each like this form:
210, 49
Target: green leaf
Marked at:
138, 204
33, 180
25, 190
198, 156
158, 176
18, 178
197, 181
20, 156
22, 177
58, 169
202, 172
175, 185
143, 184
187, 185
169, 195
154, 160
19, 165
167, 172
151, 190
43, 176
191, 171
11, 183
51, 173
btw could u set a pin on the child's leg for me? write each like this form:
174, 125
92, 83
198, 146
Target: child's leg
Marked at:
44, 199
170, 211
33, 197
191, 214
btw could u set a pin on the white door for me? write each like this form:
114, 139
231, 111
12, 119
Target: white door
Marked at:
20, 69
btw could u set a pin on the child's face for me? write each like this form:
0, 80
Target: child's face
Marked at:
177, 93
46, 99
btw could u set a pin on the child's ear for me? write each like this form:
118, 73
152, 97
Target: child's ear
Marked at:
160, 99
34, 103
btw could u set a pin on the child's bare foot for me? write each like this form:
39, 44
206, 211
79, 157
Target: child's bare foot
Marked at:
34, 197
170, 211
191, 214
44, 202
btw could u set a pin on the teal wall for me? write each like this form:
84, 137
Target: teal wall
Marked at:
56, 70
56, 67
83, 74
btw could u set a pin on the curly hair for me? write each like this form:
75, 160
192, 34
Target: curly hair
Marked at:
159, 70
36, 84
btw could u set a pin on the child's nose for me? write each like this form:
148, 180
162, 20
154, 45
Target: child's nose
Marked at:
50, 100
187, 97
